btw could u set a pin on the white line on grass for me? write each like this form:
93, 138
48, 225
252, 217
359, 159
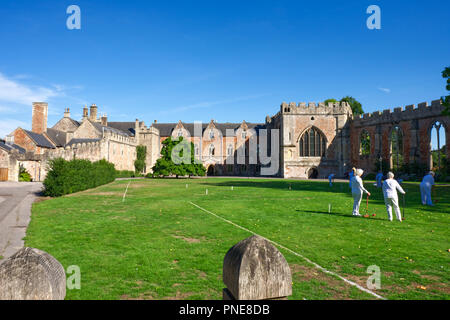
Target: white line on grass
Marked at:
125, 193
295, 253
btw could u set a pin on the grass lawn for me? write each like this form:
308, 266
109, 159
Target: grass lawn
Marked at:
156, 245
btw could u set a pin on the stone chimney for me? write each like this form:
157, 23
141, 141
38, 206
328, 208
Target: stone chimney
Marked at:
67, 113
104, 120
93, 113
39, 117
85, 113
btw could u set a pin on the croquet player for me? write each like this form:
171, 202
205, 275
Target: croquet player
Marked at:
379, 179
390, 188
350, 176
425, 188
330, 179
357, 191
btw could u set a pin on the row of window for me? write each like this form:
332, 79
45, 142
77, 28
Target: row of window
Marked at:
312, 144
211, 134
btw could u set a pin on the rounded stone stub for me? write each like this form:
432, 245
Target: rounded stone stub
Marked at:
32, 274
254, 269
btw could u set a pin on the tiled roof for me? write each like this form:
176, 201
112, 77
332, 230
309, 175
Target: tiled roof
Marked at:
102, 128
166, 129
57, 137
39, 139
128, 127
9, 147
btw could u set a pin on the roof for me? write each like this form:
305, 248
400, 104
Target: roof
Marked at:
75, 122
57, 137
102, 128
76, 141
166, 129
128, 127
39, 139
9, 147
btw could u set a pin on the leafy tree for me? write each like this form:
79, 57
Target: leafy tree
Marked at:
354, 104
139, 163
446, 100
175, 162
330, 100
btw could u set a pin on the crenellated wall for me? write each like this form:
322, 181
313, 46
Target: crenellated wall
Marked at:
415, 123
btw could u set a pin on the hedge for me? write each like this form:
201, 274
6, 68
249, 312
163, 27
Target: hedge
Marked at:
65, 177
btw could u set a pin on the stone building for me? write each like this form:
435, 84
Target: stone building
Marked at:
302, 140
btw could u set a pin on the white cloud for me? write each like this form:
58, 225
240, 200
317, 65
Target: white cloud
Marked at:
9, 125
14, 92
386, 90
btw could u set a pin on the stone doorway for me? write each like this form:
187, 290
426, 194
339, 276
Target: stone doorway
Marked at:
313, 173
211, 171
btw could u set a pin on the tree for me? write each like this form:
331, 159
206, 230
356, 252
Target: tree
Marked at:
446, 100
355, 105
330, 100
141, 155
175, 162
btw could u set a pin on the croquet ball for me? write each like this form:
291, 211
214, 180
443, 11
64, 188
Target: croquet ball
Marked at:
366, 216
374, 215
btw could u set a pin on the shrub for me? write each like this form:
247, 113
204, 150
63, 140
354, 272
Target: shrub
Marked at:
24, 176
65, 177
125, 174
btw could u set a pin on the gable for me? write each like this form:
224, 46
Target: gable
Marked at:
66, 125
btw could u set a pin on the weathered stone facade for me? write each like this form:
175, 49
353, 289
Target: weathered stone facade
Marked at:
415, 125
305, 140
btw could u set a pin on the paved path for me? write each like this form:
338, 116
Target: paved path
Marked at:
16, 199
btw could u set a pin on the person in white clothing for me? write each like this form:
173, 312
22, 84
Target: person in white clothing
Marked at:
425, 188
357, 191
390, 188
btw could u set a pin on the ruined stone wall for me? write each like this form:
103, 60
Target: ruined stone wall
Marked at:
415, 123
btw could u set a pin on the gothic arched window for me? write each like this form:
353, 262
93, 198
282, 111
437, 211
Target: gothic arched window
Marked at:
396, 148
364, 143
230, 150
211, 150
312, 143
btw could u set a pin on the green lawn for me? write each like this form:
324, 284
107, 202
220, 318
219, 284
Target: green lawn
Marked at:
156, 245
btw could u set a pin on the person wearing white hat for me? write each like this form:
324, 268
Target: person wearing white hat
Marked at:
357, 191
390, 188
425, 188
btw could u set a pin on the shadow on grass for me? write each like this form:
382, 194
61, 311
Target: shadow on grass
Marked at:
338, 214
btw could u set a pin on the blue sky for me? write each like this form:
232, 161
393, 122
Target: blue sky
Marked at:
222, 60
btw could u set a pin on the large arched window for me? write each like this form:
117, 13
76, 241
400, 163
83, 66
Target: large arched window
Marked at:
437, 145
312, 143
396, 148
364, 144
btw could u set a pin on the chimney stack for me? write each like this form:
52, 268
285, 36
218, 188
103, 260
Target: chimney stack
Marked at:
104, 120
67, 113
39, 117
93, 113
85, 113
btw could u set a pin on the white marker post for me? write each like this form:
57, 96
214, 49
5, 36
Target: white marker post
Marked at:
206, 191
232, 188
329, 208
